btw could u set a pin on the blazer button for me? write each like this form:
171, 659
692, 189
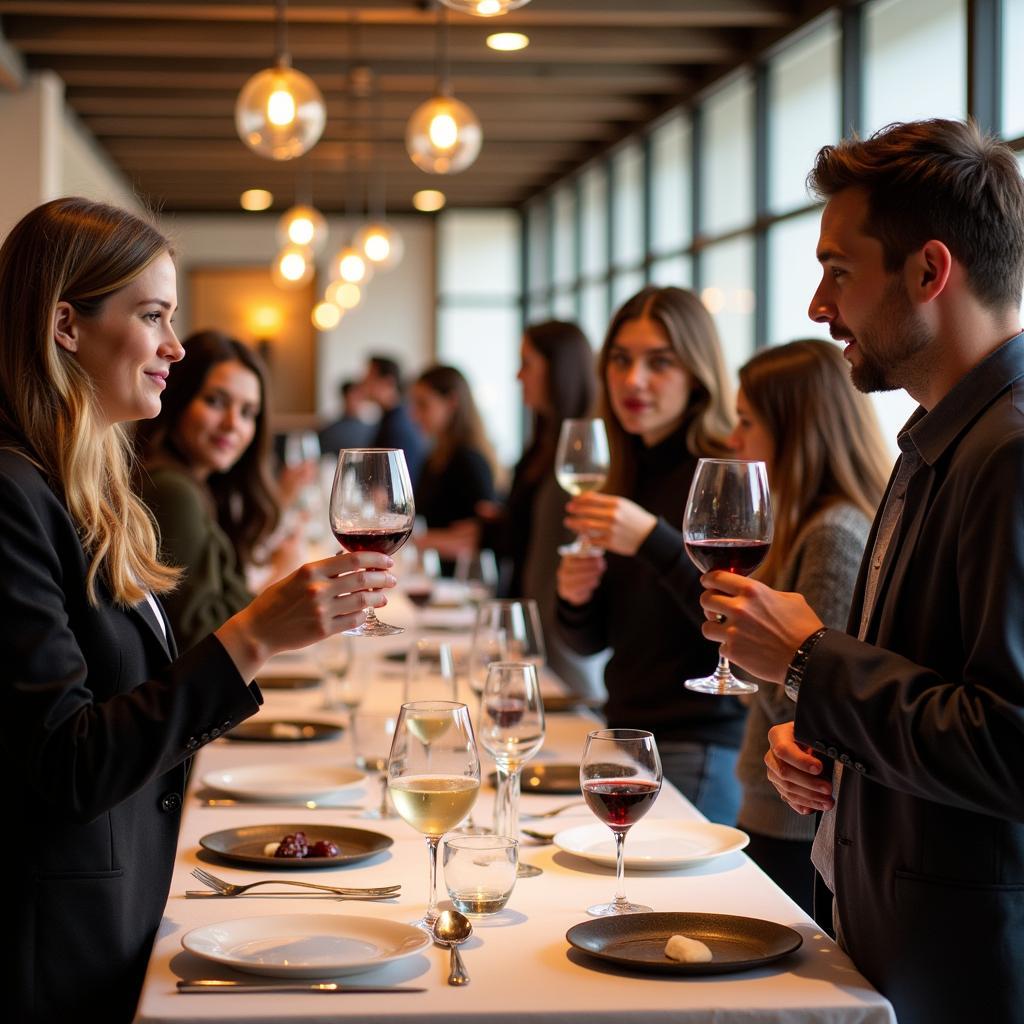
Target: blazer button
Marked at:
224, 726
170, 802
832, 752
844, 759
215, 732
820, 747
205, 738
859, 767
191, 743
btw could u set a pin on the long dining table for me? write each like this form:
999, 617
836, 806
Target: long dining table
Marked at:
520, 963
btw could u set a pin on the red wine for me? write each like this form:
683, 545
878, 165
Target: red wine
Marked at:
738, 556
506, 713
385, 542
620, 803
420, 596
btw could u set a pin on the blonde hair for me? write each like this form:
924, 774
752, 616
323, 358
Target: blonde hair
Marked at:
691, 333
828, 447
80, 252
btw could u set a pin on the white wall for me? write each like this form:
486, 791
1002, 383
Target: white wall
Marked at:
396, 316
86, 170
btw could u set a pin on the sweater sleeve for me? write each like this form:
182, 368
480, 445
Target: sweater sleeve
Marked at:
678, 577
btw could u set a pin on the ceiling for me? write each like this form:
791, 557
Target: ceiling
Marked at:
156, 83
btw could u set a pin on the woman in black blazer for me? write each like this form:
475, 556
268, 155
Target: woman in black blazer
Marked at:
98, 717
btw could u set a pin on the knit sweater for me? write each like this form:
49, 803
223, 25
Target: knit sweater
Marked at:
822, 566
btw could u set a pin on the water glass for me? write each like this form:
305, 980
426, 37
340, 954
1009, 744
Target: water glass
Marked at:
479, 871
372, 735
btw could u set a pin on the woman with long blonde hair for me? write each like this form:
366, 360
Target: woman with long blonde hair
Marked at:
666, 402
99, 716
827, 468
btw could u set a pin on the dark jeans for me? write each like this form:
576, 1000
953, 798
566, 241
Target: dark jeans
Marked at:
787, 862
706, 775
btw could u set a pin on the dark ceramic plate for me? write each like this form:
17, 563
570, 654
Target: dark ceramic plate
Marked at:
638, 941
288, 682
291, 730
245, 845
547, 778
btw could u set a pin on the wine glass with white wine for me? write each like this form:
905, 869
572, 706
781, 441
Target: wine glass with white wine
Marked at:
582, 462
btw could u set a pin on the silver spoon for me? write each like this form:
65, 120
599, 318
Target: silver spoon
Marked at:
449, 930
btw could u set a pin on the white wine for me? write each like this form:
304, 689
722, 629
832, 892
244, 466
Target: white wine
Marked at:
433, 804
427, 727
580, 483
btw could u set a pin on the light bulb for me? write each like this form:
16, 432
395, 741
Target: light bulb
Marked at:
326, 315
302, 225
256, 199
344, 294
443, 136
429, 200
508, 42
484, 8
293, 267
280, 113
352, 266
381, 244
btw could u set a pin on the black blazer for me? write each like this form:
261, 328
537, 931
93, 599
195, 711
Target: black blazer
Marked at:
928, 719
97, 724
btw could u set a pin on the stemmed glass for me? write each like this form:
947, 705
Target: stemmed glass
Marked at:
372, 735
511, 728
429, 672
433, 775
372, 510
505, 630
343, 679
477, 571
728, 525
581, 465
621, 778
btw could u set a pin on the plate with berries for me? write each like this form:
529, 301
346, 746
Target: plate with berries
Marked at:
295, 846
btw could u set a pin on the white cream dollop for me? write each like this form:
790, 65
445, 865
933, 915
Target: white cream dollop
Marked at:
687, 950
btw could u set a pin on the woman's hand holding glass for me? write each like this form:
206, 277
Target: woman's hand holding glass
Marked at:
613, 523
582, 461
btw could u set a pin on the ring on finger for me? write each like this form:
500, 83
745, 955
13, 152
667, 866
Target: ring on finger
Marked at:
720, 619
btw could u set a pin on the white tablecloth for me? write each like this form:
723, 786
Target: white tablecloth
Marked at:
520, 963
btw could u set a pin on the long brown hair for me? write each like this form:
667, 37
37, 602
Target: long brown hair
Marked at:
828, 447
80, 252
244, 496
691, 333
465, 429
571, 389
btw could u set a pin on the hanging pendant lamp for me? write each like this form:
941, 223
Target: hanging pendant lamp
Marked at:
484, 8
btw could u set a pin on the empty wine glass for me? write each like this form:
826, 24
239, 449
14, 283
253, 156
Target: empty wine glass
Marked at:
728, 525
372, 509
477, 571
343, 679
620, 777
429, 671
511, 730
505, 630
581, 465
433, 775
372, 736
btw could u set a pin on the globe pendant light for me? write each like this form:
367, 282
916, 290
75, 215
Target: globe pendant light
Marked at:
280, 113
484, 8
443, 135
352, 266
302, 225
344, 294
381, 244
293, 267
326, 316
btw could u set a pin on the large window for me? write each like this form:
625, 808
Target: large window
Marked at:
671, 187
728, 293
727, 158
1013, 69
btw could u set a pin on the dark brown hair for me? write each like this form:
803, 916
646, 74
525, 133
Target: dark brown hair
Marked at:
571, 389
827, 443
939, 180
244, 496
692, 334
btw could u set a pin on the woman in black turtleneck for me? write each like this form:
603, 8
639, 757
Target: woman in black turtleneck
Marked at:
666, 402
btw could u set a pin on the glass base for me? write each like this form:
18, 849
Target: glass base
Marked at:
580, 548
721, 686
528, 870
614, 908
375, 628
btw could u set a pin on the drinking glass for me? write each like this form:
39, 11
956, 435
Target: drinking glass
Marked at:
343, 683
424, 570
620, 777
479, 871
433, 775
511, 730
372, 735
477, 571
372, 510
505, 630
728, 525
581, 465
429, 672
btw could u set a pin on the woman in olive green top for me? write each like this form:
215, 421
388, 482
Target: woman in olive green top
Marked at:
205, 478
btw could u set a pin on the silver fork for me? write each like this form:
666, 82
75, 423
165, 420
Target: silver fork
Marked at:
552, 813
231, 889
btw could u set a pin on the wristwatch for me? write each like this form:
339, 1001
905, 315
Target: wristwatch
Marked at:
795, 672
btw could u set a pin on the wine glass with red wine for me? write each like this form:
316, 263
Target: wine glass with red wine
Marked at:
728, 526
620, 777
372, 510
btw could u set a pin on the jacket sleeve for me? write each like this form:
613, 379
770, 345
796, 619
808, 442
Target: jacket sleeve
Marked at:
584, 627
957, 741
79, 755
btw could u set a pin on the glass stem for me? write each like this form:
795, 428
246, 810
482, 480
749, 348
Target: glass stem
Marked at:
385, 811
723, 673
371, 618
506, 801
620, 868
431, 915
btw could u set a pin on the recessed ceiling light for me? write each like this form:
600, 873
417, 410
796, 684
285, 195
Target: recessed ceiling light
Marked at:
508, 41
256, 199
429, 200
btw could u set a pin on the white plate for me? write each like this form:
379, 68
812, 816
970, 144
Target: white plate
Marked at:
653, 845
283, 781
305, 945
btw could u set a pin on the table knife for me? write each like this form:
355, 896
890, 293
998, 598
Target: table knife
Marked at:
219, 985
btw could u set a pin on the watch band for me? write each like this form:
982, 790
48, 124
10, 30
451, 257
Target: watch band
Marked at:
795, 672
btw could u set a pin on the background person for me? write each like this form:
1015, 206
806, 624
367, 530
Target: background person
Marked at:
382, 385
666, 402
350, 430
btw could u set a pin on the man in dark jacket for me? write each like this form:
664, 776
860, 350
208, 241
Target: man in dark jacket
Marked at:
383, 386
921, 704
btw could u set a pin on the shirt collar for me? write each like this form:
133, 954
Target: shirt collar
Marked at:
930, 433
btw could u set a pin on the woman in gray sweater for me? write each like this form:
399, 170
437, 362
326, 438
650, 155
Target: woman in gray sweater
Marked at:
827, 466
